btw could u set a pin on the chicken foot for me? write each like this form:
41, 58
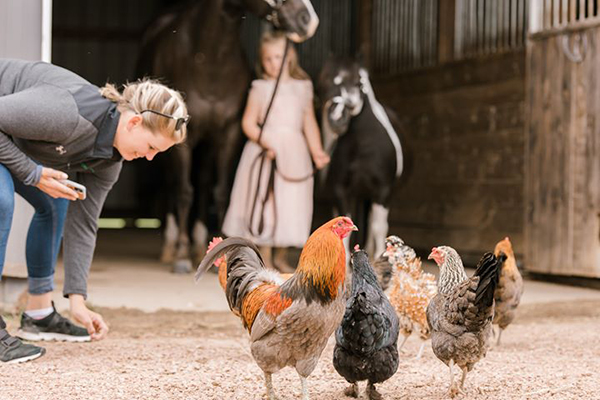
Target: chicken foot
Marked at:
454, 388
352, 390
269, 385
372, 393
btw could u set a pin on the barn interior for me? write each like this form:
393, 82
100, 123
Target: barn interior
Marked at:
464, 79
496, 101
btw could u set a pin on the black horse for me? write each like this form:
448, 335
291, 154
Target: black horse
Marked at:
368, 159
196, 48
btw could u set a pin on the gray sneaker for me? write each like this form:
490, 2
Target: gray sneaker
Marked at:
52, 327
13, 351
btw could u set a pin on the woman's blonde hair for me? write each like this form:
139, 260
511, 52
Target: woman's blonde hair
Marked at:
149, 94
271, 37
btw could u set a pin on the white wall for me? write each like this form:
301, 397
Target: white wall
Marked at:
25, 32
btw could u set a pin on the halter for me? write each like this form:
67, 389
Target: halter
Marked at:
272, 16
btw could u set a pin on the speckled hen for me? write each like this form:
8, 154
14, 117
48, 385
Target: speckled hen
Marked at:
460, 315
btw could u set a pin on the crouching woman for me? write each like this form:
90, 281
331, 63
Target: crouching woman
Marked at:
55, 125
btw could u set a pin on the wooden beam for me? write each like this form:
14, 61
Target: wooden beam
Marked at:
446, 30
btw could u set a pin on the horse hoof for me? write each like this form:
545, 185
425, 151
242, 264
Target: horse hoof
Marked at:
182, 267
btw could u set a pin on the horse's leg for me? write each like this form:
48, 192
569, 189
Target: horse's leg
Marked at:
204, 181
170, 239
171, 231
184, 192
378, 230
228, 152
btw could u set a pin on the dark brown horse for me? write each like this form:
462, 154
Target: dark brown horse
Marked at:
196, 48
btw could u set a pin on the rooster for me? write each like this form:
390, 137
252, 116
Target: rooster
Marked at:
460, 315
367, 340
509, 290
289, 321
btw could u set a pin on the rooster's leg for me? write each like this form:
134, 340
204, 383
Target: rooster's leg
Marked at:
372, 393
269, 385
352, 390
420, 353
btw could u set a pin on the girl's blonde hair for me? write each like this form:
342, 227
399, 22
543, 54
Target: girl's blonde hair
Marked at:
271, 37
149, 94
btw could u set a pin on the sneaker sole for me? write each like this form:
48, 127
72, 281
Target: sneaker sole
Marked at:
49, 337
25, 359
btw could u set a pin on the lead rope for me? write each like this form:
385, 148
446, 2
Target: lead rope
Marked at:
262, 157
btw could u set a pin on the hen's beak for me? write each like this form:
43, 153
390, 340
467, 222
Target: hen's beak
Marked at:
432, 254
353, 228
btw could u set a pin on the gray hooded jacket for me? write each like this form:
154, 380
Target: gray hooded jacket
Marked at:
51, 117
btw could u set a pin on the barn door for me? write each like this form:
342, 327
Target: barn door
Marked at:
562, 153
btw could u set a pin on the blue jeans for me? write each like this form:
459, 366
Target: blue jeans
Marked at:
45, 231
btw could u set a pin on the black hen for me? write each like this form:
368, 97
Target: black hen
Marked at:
367, 340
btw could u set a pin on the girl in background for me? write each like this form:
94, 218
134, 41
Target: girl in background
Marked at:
292, 141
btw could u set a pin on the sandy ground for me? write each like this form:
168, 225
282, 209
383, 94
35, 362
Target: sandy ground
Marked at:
551, 351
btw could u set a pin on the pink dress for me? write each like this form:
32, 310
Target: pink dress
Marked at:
287, 216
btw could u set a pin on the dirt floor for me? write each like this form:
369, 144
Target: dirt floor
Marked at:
551, 351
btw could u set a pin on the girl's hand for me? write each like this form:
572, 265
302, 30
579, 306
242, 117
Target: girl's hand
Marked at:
49, 184
269, 151
321, 159
270, 154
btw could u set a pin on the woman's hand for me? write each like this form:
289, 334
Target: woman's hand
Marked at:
49, 184
321, 159
93, 322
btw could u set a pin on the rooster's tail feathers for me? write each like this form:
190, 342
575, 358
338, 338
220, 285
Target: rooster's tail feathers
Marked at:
217, 251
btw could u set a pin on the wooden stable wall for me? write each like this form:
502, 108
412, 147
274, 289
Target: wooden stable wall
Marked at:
464, 123
563, 154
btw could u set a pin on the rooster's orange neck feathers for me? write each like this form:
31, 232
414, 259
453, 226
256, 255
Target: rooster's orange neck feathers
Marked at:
322, 263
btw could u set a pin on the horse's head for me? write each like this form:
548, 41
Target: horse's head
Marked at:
340, 90
296, 17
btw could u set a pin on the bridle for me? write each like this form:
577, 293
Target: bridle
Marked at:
344, 100
272, 16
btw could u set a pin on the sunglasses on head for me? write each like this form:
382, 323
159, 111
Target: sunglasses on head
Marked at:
178, 121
